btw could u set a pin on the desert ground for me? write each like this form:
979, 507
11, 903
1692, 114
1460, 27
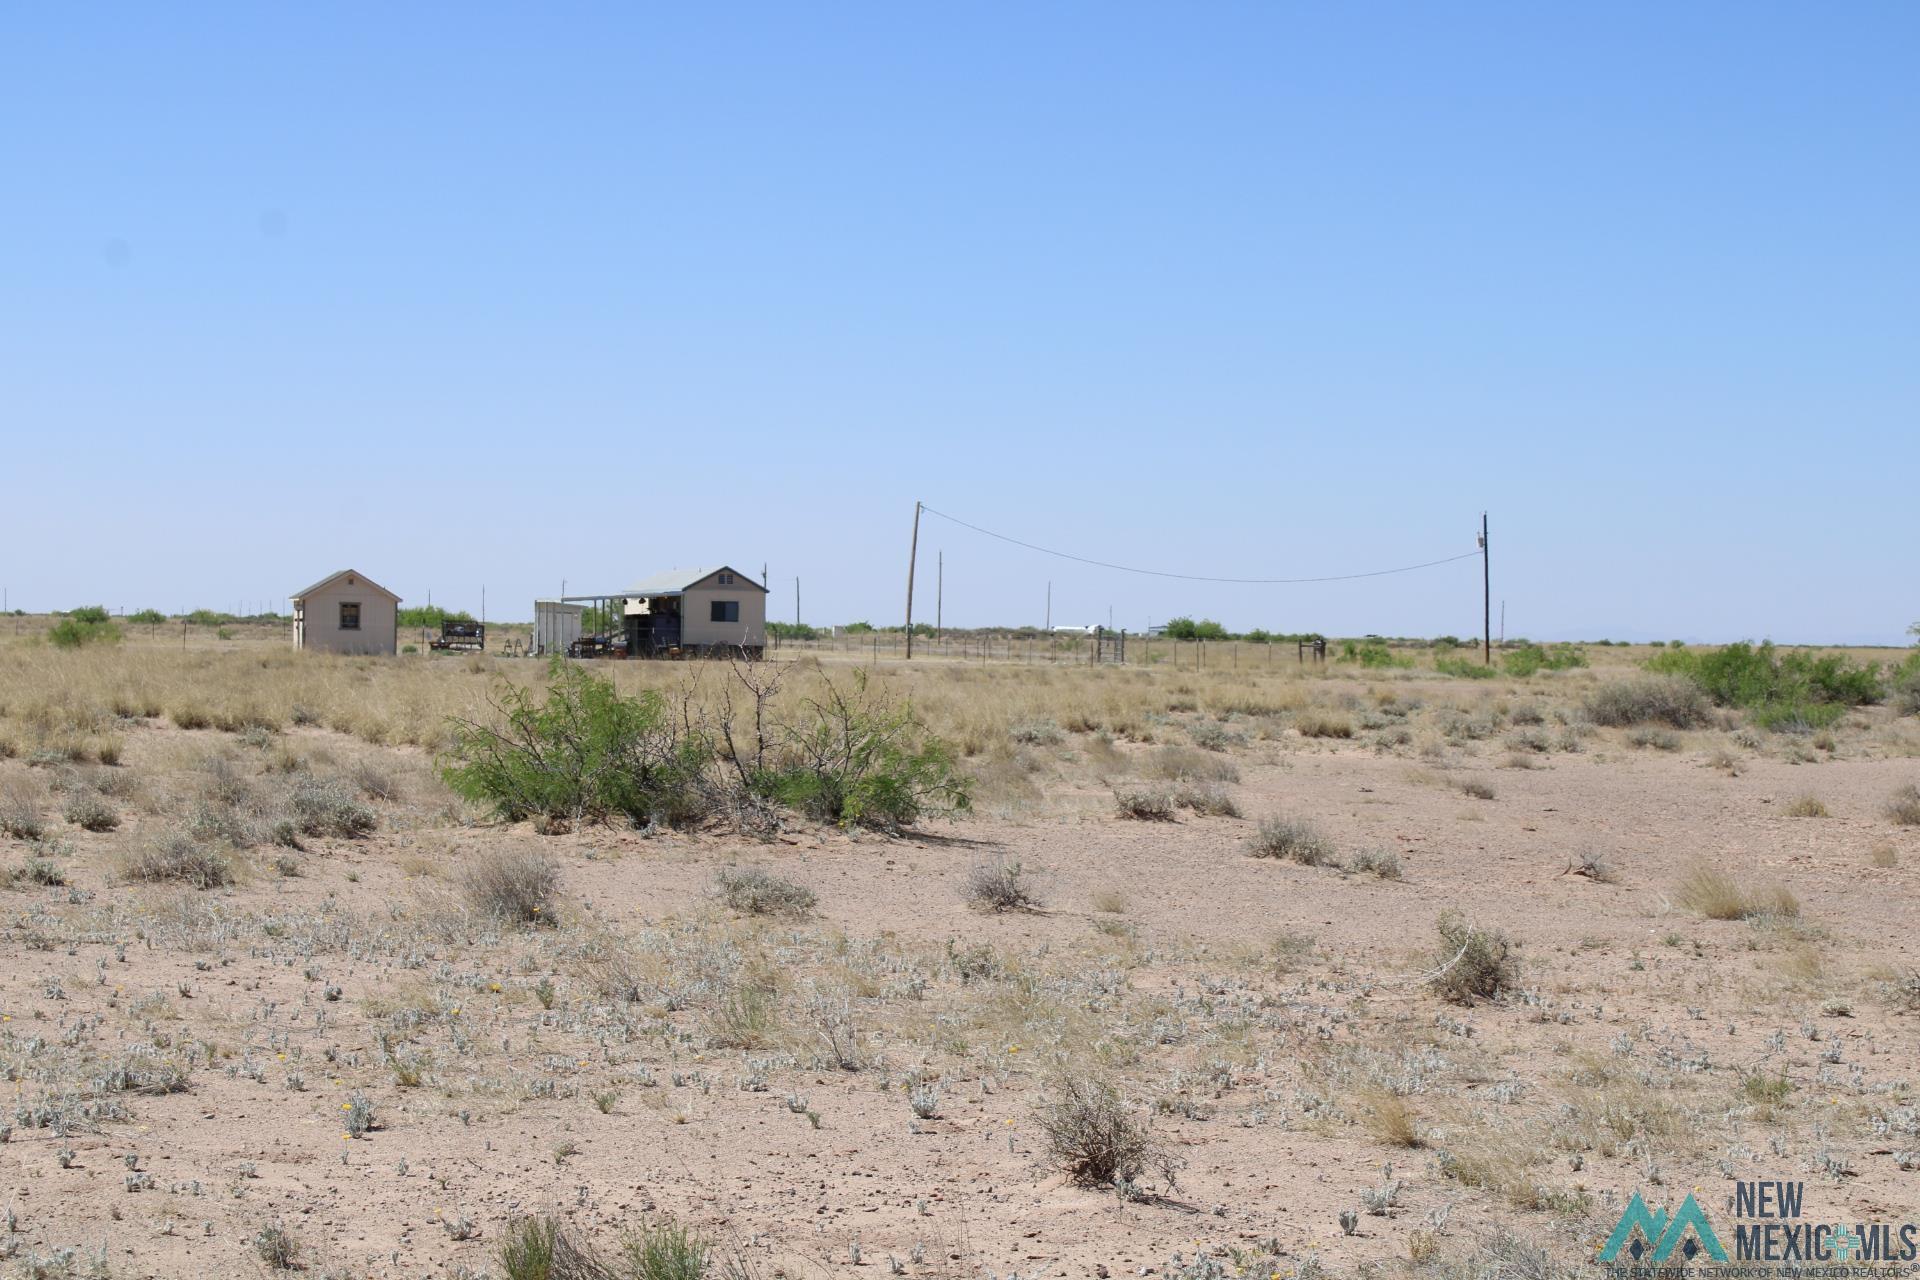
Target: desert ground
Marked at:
395, 1027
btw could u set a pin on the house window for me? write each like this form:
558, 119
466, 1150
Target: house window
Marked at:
349, 615
726, 579
726, 611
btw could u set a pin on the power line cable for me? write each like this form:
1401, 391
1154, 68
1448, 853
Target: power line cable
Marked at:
1196, 577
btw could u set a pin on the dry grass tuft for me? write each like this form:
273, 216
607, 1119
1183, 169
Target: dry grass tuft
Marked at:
1387, 1117
179, 859
20, 813
1718, 896
1903, 807
1883, 855
1807, 806
1322, 724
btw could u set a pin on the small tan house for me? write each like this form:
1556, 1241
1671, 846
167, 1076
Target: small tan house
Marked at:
346, 613
705, 611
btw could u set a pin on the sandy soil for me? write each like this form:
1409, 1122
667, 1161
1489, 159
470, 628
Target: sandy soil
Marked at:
1622, 1064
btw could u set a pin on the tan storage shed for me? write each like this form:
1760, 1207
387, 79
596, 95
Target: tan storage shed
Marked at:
347, 612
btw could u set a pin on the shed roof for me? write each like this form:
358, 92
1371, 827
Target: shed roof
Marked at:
330, 579
671, 582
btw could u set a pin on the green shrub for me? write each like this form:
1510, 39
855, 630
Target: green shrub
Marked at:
89, 624
1795, 690
1469, 669
1903, 686
209, 618
579, 750
147, 617
793, 630
1371, 653
860, 760
1530, 658
1188, 629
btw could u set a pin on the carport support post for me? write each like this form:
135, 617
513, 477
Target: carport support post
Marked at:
913, 554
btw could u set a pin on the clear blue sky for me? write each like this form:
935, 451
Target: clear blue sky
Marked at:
1247, 290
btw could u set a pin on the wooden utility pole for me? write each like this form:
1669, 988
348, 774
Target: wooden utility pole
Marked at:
796, 605
939, 593
913, 555
1049, 608
1486, 591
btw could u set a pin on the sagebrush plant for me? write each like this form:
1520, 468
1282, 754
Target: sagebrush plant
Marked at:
1150, 804
90, 811
1090, 1130
20, 813
1474, 962
758, 892
1656, 699
1903, 806
1292, 839
519, 886
177, 857
1001, 885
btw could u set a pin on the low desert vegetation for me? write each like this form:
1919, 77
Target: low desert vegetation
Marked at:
1148, 804
84, 626
515, 886
299, 923
1718, 895
1644, 700
1474, 962
582, 751
1091, 1132
1792, 689
1001, 885
1807, 805
1903, 806
178, 858
758, 892
1292, 840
